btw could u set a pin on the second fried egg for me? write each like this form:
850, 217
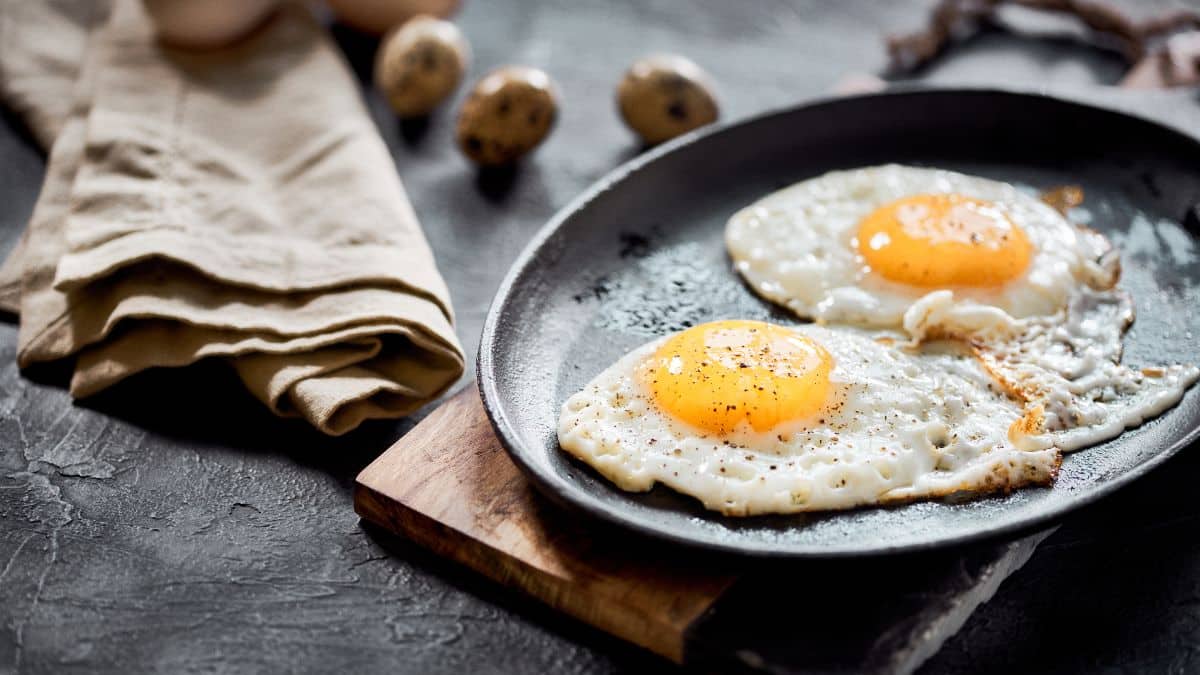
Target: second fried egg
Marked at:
861, 246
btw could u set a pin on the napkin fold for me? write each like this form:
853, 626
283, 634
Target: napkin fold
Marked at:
237, 205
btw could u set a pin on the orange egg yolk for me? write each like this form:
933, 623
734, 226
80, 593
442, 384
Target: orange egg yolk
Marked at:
940, 240
718, 375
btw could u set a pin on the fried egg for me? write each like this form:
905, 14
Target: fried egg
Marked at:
862, 246
751, 418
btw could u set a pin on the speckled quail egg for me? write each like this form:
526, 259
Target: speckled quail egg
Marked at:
665, 95
419, 65
507, 114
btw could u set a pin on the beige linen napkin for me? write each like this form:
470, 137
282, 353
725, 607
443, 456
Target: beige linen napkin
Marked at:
37, 81
236, 205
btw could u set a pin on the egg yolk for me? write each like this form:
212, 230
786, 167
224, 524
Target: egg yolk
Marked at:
718, 375
940, 240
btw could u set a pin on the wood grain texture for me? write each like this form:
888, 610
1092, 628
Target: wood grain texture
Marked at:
450, 486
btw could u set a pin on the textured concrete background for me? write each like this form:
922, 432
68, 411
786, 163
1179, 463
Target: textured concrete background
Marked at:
172, 525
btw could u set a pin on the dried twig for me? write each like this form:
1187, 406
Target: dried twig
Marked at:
953, 20
950, 20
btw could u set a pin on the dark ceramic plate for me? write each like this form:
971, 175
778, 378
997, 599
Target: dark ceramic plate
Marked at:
641, 254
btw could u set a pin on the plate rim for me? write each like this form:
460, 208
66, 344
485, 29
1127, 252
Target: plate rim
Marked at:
548, 482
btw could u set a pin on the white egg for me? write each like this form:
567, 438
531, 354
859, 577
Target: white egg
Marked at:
891, 427
800, 247
207, 24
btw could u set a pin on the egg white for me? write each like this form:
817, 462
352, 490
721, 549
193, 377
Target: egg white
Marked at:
902, 427
1068, 365
796, 247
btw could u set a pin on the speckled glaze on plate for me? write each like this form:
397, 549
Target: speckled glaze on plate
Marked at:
641, 254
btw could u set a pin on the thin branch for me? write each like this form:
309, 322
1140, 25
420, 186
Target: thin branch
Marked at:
956, 20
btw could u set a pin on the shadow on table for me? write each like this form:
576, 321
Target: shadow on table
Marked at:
207, 403
359, 49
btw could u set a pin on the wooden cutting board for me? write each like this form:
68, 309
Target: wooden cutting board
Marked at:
449, 486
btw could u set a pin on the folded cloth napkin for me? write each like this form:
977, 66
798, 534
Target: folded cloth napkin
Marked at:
235, 204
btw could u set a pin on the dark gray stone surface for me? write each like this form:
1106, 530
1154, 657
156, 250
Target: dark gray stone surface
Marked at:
172, 525
1115, 590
